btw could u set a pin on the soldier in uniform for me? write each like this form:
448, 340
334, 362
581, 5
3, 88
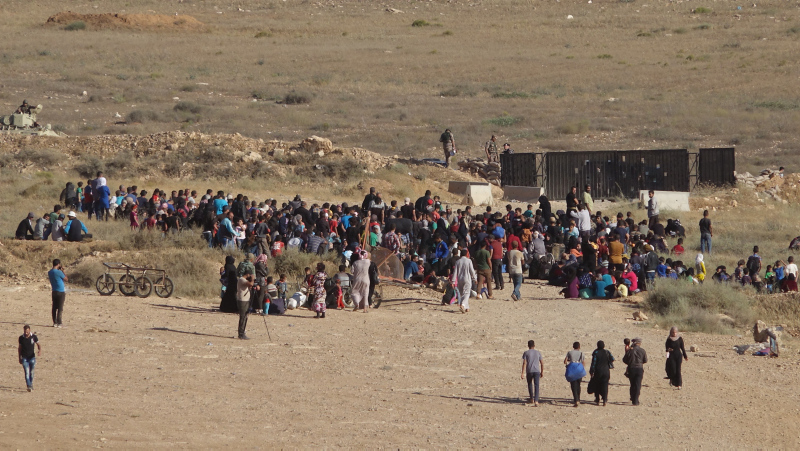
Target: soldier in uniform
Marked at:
448, 145
491, 150
24, 108
507, 150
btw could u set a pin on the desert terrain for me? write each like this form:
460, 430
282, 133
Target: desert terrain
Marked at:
196, 94
150, 373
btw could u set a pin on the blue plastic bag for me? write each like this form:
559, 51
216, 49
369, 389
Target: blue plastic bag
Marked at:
575, 371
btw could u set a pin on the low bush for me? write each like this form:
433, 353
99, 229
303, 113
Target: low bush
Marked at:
702, 10
708, 307
188, 107
504, 121
573, 128
40, 157
292, 263
420, 23
89, 166
142, 116
76, 26
344, 169
296, 98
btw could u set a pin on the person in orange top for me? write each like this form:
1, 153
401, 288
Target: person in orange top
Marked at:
615, 251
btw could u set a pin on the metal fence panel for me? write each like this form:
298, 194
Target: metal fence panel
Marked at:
519, 169
616, 173
717, 166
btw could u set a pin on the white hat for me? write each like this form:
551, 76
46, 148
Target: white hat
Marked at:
230, 196
71, 214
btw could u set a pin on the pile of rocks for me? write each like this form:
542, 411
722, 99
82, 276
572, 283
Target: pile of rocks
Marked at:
770, 185
482, 168
186, 144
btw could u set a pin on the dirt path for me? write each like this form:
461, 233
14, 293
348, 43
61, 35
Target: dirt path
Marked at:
154, 373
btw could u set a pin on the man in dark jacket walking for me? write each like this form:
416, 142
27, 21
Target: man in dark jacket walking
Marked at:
635, 358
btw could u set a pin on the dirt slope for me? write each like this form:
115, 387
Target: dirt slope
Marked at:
147, 22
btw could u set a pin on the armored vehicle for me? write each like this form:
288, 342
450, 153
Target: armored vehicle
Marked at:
25, 124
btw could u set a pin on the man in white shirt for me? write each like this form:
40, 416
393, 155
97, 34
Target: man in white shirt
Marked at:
791, 268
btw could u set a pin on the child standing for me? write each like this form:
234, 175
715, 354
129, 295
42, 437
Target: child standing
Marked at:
769, 278
281, 285
678, 249
134, 218
318, 285
272, 293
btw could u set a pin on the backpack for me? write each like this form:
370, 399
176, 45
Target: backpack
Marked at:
753, 263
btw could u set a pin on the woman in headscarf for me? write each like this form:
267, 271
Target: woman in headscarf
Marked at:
699, 268
676, 353
359, 291
600, 372
544, 205
229, 279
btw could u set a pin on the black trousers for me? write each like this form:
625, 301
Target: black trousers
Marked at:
635, 375
58, 305
576, 390
244, 309
601, 388
497, 274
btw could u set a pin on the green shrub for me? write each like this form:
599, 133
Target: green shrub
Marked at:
604, 56
420, 23
296, 98
702, 10
188, 88
292, 263
698, 307
142, 116
703, 26
188, 107
76, 26
504, 121
263, 34
680, 30
343, 169
89, 166
40, 157
510, 95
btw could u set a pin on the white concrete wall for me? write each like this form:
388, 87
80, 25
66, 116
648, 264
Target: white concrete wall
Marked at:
458, 187
667, 200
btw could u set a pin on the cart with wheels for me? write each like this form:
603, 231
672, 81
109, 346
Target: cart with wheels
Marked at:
134, 281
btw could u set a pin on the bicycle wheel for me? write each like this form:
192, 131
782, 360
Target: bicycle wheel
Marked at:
166, 290
143, 286
126, 282
377, 296
105, 285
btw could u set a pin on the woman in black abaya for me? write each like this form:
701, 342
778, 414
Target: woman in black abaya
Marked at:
676, 356
228, 273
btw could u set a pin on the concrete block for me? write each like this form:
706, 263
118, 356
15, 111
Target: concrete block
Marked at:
457, 187
478, 195
667, 200
475, 193
523, 193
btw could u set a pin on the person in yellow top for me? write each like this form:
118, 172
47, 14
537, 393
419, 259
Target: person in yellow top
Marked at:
699, 267
586, 197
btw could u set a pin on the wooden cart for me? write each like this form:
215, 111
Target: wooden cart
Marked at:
134, 281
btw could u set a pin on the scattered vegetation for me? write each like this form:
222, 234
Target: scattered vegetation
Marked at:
420, 23
505, 120
76, 26
702, 10
573, 128
188, 107
604, 56
699, 308
142, 116
296, 98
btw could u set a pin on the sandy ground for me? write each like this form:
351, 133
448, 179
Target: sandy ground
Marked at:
153, 373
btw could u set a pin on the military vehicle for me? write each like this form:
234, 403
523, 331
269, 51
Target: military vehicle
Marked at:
25, 124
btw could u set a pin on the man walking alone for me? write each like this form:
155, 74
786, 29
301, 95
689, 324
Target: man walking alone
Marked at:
27, 353
57, 279
635, 358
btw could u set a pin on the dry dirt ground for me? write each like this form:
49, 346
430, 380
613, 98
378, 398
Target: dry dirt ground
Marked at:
153, 373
